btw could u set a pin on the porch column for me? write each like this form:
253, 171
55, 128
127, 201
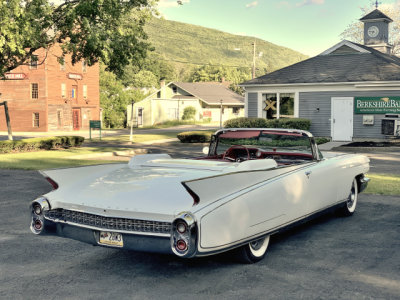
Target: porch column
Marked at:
259, 105
278, 105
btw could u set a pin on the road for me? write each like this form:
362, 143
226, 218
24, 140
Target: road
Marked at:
329, 258
385, 163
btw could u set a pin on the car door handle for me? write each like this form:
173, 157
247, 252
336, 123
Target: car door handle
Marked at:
308, 173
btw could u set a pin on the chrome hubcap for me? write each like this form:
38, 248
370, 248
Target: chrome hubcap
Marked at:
256, 245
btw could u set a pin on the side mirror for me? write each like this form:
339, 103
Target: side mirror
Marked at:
206, 150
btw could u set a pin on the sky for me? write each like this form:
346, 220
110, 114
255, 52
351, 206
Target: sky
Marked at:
307, 26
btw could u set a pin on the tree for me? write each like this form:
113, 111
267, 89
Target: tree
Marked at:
106, 30
160, 67
188, 113
149, 72
144, 79
355, 31
114, 98
218, 73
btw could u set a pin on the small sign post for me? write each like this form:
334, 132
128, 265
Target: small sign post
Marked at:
95, 124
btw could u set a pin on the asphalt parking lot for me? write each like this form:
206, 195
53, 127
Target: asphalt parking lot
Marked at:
329, 258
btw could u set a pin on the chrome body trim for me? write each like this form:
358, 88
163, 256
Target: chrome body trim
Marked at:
190, 237
132, 241
112, 224
44, 205
364, 183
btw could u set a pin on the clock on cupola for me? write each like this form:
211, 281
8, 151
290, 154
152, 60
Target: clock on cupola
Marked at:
376, 30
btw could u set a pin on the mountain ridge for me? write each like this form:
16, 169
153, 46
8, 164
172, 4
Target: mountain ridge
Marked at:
186, 44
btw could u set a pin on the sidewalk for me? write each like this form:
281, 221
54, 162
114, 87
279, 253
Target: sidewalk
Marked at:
330, 145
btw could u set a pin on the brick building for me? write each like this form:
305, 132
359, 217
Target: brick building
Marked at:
48, 95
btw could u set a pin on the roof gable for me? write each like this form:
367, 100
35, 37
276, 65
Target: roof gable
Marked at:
362, 63
376, 15
211, 92
345, 47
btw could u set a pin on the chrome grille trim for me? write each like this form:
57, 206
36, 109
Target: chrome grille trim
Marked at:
109, 223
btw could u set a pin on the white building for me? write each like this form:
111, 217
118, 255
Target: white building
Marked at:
169, 102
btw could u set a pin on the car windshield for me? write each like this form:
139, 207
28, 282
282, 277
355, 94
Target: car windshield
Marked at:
265, 140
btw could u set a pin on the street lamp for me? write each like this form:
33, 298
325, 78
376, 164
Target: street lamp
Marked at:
220, 115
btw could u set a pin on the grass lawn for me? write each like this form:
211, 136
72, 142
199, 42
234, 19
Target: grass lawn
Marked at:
383, 184
41, 160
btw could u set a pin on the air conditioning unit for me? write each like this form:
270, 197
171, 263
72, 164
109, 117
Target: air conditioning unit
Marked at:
391, 125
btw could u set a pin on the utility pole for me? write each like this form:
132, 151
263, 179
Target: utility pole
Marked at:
254, 60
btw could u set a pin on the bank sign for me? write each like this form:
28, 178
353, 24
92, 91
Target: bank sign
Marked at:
376, 105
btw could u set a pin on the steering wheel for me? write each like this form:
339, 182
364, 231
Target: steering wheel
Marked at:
229, 150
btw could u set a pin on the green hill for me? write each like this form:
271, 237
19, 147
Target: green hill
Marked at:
187, 45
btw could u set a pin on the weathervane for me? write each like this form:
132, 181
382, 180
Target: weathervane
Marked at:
377, 4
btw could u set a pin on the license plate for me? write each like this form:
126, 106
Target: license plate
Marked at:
111, 239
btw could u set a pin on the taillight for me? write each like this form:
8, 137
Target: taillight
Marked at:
38, 208
38, 224
52, 182
181, 245
181, 227
184, 235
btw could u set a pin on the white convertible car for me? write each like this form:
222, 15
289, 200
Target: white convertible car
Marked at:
251, 184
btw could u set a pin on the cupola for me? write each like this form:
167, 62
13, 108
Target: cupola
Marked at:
376, 31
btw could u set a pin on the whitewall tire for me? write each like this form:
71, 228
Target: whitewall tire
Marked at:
253, 251
351, 202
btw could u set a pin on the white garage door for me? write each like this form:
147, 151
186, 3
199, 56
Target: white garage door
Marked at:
342, 118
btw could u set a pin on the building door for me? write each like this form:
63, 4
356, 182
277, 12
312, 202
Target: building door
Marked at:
140, 116
342, 118
76, 118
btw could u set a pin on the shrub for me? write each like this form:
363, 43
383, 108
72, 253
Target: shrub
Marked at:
188, 113
295, 123
321, 140
36, 144
246, 123
195, 136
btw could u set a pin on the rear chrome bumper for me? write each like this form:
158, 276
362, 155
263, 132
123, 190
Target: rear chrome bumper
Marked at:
136, 242
363, 183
